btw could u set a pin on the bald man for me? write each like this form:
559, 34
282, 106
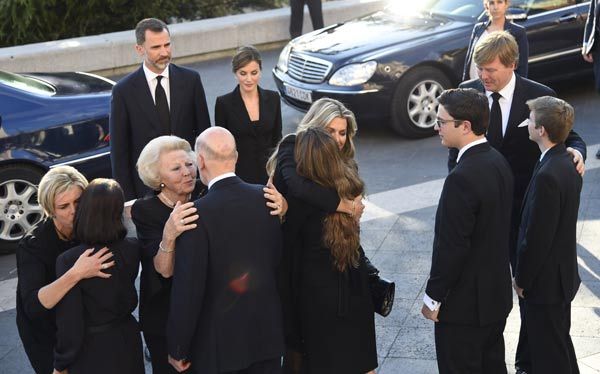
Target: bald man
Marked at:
225, 313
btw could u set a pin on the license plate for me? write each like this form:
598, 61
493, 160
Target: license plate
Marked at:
298, 93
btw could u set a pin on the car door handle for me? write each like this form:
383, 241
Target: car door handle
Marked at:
567, 18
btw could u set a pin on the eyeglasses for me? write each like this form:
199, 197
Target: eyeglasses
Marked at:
441, 122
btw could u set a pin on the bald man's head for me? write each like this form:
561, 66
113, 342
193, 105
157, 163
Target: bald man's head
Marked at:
216, 144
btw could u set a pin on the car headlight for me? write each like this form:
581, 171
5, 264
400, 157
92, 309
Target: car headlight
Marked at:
284, 56
353, 74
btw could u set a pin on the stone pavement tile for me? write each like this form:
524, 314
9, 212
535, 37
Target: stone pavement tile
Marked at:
398, 315
381, 223
371, 239
15, 362
416, 343
8, 290
589, 268
586, 346
585, 322
510, 347
394, 365
408, 286
592, 362
4, 350
386, 335
409, 241
403, 262
588, 294
513, 322
416, 319
585, 369
417, 220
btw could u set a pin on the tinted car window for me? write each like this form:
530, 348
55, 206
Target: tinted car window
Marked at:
454, 8
28, 84
538, 6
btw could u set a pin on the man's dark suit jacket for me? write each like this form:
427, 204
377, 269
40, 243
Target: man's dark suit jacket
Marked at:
590, 32
520, 152
134, 120
470, 271
225, 311
255, 142
547, 247
515, 30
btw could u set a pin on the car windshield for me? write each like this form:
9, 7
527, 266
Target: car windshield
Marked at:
25, 83
469, 9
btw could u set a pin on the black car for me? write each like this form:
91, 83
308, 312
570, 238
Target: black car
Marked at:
47, 120
392, 64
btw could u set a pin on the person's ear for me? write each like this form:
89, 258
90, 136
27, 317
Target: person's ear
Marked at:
140, 50
201, 163
466, 125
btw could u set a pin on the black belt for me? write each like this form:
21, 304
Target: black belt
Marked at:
110, 325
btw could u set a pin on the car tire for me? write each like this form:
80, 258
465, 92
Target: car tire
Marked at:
414, 104
19, 208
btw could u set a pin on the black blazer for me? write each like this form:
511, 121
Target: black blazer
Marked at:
134, 120
470, 272
515, 30
225, 312
547, 246
591, 27
255, 141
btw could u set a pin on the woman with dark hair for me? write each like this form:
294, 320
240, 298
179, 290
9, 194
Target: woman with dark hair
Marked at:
329, 291
39, 289
496, 10
97, 332
252, 114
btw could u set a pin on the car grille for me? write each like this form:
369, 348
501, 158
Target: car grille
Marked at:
308, 69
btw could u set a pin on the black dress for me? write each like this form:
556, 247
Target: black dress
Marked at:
96, 331
149, 216
36, 267
255, 140
328, 315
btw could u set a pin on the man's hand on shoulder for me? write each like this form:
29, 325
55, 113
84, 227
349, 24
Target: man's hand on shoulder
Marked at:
577, 160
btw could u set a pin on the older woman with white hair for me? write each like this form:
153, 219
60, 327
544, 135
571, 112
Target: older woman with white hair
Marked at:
168, 166
38, 289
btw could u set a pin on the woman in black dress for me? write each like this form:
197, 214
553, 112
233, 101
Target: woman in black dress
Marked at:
167, 165
97, 332
38, 288
252, 115
351, 348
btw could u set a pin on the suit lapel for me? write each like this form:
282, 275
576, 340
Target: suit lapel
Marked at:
239, 106
144, 98
557, 149
176, 88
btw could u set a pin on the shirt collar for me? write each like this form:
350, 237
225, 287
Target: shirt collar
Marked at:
150, 75
472, 144
543, 154
220, 177
508, 90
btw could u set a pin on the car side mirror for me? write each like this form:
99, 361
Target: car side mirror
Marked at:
516, 14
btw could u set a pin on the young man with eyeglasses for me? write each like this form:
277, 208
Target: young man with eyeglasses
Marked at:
469, 293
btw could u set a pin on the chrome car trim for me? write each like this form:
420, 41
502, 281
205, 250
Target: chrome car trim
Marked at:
79, 160
554, 55
348, 92
307, 68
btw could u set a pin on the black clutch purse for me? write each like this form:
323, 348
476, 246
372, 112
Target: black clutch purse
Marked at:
382, 291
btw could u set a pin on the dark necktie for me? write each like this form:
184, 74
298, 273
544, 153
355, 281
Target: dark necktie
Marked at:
494, 133
162, 108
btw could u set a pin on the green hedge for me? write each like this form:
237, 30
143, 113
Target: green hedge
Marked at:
31, 21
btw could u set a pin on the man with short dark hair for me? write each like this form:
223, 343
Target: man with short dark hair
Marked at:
468, 293
496, 57
225, 314
546, 275
159, 98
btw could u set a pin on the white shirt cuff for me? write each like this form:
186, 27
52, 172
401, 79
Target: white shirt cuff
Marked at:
431, 304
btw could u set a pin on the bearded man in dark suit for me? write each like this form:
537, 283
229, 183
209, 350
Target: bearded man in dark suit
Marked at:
159, 98
496, 58
546, 275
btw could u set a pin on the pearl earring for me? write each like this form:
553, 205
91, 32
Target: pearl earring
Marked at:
162, 185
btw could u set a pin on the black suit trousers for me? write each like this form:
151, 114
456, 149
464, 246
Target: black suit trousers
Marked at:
596, 56
272, 366
523, 356
470, 349
549, 340
297, 18
157, 345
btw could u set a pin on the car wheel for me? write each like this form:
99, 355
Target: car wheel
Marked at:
19, 208
414, 104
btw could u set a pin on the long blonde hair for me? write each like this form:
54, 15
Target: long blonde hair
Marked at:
319, 159
320, 115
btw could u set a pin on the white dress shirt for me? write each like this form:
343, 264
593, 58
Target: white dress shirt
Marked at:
472, 144
505, 101
218, 178
151, 79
